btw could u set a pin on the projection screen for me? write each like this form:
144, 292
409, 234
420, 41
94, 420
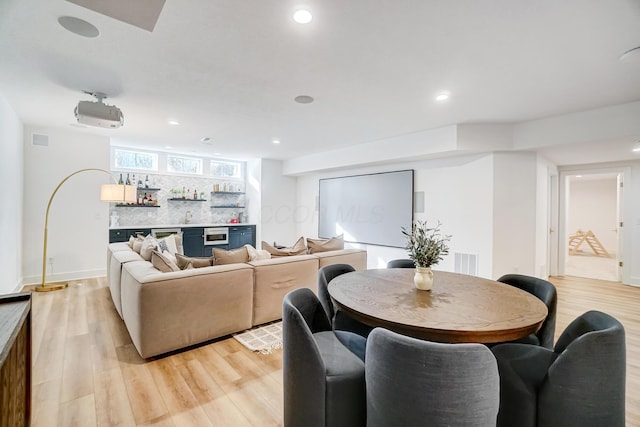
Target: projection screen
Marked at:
369, 209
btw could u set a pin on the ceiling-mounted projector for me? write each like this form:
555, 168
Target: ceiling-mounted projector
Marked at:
98, 113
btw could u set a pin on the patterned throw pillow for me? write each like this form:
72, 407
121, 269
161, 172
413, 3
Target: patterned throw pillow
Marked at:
167, 247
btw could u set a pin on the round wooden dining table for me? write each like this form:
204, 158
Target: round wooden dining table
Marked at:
458, 309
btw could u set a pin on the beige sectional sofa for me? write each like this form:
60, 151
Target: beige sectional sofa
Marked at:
170, 311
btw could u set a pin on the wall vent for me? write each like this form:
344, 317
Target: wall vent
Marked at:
41, 140
466, 263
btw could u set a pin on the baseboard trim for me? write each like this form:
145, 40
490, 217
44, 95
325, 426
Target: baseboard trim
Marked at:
19, 286
62, 277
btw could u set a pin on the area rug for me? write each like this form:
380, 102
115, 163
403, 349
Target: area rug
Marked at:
263, 339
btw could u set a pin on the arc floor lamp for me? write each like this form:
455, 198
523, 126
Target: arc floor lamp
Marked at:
117, 193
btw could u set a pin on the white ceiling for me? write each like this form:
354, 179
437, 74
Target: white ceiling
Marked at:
229, 69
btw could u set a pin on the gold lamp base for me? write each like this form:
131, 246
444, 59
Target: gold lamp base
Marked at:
49, 288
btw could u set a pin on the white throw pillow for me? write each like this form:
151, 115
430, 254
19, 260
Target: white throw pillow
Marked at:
179, 245
257, 255
149, 244
167, 247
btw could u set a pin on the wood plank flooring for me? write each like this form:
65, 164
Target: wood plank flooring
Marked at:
87, 373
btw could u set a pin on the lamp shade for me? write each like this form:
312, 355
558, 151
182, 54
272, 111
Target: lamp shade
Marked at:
118, 193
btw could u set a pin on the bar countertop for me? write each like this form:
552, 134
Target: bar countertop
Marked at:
157, 226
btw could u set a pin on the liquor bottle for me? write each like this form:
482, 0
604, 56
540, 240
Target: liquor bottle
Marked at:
139, 198
145, 200
150, 200
128, 180
120, 181
188, 194
184, 193
146, 181
195, 194
133, 180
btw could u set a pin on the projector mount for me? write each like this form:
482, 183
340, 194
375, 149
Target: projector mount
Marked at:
97, 95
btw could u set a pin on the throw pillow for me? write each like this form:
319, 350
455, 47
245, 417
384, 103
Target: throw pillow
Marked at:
131, 240
162, 262
167, 247
257, 255
137, 245
298, 248
179, 245
324, 245
233, 256
185, 262
148, 244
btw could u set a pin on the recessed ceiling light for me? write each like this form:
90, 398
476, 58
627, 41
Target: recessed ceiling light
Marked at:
216, 154
636, 149
631, 56
205, 139
302, 16
303, 99
276, 141
168, 147
442, 96
173, 122
578, 176
78, 26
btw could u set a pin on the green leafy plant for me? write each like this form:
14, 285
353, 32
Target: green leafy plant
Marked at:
425, 244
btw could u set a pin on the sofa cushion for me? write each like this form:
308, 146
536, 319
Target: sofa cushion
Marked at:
230, 257
324, 245
185, 262
162, 262
274, 278
357, 258
298, 248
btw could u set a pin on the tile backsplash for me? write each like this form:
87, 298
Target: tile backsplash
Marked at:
176, 211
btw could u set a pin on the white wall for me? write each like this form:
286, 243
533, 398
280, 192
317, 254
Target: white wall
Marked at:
458, 193
11, 176
592, 206
514, 215
78, 220
278, 205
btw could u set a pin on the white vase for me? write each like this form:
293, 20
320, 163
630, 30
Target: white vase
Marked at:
423, 279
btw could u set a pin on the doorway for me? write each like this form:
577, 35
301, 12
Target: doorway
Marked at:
592, 232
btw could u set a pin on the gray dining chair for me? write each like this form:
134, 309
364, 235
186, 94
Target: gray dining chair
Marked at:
339, 319
411, 382
581, 382
401, 263
546, 292
323, 378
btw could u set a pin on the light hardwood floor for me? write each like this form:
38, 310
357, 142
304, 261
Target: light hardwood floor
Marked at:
86, 372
